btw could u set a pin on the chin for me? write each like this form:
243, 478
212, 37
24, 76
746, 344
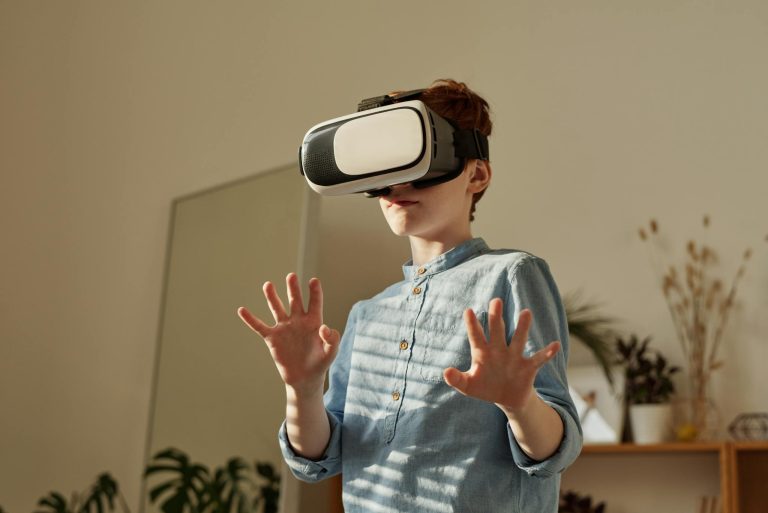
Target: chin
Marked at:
400, 231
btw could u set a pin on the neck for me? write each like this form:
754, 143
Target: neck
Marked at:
423, 250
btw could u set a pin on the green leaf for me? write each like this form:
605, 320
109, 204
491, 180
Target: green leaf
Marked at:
55, 502
102, 494
176, 504
594, 330
153, 469
159, 490
189, 483
265, 470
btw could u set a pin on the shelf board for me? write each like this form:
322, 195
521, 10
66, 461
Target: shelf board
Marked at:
670, 447
742, 467
751, 445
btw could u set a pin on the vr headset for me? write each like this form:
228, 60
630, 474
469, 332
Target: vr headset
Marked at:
392, 139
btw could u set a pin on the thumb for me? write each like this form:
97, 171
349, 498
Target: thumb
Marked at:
456, 379
542, 356
331, 339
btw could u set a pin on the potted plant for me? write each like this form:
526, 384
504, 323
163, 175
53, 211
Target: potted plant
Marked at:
648, 388
574, 502
189, 487
595, 330
193, 488
99, 497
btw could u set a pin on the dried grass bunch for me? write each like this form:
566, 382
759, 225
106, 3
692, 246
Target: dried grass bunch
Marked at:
700, 304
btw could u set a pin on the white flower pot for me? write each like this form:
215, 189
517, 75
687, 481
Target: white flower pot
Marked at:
651, 423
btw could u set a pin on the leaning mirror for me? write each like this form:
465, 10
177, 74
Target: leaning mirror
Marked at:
217, 395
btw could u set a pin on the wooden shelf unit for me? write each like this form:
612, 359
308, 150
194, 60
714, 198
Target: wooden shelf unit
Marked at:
743, 468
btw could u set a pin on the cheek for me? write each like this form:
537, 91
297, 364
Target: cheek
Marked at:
383, 206
385, 212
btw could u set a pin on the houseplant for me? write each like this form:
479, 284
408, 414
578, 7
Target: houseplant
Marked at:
189, 488
648, 388
573, 502
193, 488
588, 325
100, 496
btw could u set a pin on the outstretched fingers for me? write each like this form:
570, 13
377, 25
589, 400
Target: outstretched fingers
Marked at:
455, 378
275, 304
520, 337
497, 332
315, 307
474, 330
253, 322
295, 301
330, 338
542, 356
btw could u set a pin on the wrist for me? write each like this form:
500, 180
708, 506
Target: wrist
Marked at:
522, 408
304, 391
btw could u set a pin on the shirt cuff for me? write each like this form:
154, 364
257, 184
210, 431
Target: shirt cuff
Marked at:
313, 470
566, 453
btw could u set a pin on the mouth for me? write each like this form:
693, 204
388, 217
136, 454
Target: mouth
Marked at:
400, 202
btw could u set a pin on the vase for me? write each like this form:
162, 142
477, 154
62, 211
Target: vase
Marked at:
696, 418
651, 423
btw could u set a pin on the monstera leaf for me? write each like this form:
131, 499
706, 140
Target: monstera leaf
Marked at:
187, 490
226, 493
270, 490
54, 502
102, 496
573, 502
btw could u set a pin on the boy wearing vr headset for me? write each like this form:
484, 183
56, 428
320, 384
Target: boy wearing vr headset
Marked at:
447, 391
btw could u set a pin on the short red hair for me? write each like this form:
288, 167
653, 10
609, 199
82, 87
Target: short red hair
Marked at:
464, 108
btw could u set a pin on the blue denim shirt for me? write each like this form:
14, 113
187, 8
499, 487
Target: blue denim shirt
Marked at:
403, 439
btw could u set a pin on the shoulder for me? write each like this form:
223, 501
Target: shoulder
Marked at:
514, 263
392, 294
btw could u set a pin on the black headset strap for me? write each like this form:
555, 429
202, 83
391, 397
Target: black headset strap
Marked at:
470, 144
388, 99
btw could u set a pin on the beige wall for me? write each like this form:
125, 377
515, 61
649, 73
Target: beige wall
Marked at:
606, 113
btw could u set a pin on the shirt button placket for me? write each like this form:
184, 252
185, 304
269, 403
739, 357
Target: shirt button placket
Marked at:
415, 300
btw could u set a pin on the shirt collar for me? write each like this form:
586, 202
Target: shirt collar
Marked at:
450, 258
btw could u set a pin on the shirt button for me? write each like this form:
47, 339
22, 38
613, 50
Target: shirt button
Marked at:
403, 345
421, 270
395, 396
417, 290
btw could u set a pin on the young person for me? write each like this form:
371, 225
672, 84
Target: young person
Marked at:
447, 391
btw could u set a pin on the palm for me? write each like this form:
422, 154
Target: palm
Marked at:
300, 344
296, 347
500, 373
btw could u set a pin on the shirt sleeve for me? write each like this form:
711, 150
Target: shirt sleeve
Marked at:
329, 463
533, 287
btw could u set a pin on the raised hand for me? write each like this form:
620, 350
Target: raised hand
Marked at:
300, 344
500, 373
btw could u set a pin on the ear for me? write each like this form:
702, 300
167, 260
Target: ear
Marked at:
479, 175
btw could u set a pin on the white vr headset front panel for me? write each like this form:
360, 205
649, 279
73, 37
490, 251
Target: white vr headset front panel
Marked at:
377, 148
373, 143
